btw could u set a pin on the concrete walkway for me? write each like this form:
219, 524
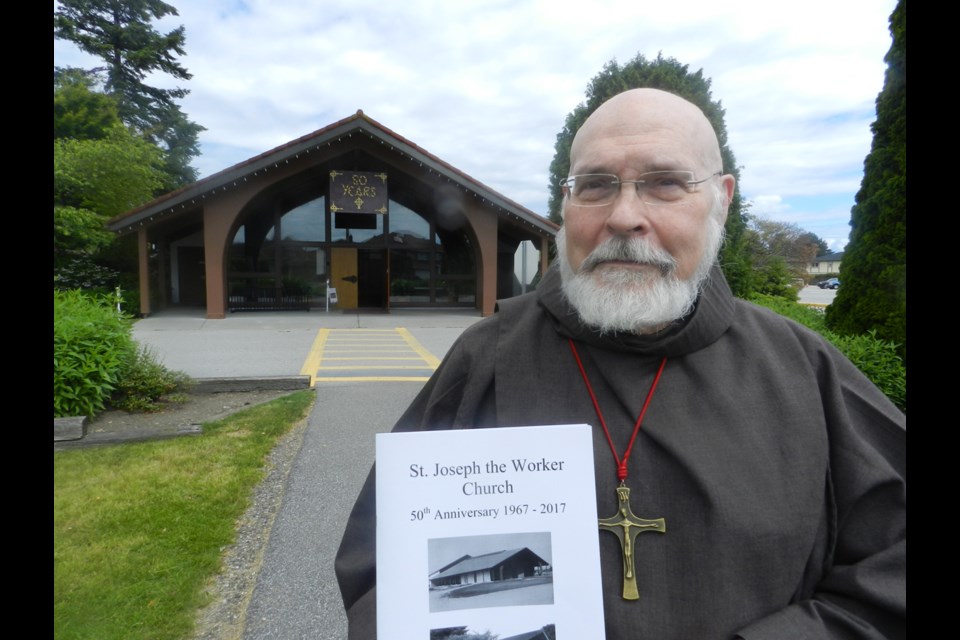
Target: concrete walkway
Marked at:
296, 595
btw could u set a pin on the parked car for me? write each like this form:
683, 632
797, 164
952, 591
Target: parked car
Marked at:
830, 283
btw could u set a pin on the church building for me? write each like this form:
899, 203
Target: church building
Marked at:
509, 564
352, 216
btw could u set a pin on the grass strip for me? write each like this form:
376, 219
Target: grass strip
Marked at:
140, 528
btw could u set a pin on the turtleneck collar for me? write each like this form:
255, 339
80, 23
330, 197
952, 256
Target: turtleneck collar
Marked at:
710, 318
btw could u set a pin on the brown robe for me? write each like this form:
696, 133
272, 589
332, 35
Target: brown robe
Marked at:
779, 468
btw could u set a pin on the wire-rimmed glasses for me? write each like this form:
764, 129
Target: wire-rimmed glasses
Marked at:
654, 187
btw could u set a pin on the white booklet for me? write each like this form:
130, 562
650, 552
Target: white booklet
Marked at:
488, 531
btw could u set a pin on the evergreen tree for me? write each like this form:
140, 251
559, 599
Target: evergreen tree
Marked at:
874, 268
667, 74
120, 33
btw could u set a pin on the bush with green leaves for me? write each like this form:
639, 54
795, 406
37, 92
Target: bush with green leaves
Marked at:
145, 383
878, 359
810, 317
92, 343
97, 364
774, 278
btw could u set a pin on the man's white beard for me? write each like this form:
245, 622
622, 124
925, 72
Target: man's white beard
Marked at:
623, 300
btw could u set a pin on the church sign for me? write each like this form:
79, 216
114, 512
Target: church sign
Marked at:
358, 192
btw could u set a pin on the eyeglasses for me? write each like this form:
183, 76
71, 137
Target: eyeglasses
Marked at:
655, 187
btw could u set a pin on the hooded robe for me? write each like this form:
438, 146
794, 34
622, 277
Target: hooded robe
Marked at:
779, 468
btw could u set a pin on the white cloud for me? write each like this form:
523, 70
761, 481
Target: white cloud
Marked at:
486, 85
768, 206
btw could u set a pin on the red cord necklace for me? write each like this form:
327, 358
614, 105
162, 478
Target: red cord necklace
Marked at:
624, 524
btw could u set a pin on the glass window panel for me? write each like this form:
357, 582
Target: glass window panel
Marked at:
305, 223
409, 277
406, 224
456, 289
257, 257
304, 272
252, 248
456, 256
237, 260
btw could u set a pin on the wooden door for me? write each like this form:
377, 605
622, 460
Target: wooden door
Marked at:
343, 275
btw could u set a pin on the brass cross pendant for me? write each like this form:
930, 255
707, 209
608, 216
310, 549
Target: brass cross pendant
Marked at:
626, 525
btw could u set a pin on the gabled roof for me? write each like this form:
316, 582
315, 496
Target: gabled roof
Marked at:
357, 124
540, 634
830, 257
450, 564
486, 561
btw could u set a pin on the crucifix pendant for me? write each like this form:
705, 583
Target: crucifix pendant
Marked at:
626, 525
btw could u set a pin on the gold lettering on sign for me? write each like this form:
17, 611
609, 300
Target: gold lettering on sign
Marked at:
358, 192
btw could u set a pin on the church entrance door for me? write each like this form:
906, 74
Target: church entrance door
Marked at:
344, 275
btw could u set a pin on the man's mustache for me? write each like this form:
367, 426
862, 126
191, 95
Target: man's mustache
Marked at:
618, 249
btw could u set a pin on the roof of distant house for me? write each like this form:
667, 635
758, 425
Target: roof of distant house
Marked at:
830, 257
530, 635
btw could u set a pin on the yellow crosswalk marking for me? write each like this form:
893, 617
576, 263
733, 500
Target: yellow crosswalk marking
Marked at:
368, 355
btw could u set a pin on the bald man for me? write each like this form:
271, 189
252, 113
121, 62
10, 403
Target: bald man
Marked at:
774, 470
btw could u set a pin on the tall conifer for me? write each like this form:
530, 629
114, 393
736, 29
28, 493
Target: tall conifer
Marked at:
873, 294
121, 33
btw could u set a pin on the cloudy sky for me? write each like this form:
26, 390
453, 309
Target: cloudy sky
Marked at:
486, 84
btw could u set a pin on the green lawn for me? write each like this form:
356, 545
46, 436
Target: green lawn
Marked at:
139, 529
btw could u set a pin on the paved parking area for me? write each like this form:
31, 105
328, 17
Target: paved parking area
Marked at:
280, 343
814, 295
366, 369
